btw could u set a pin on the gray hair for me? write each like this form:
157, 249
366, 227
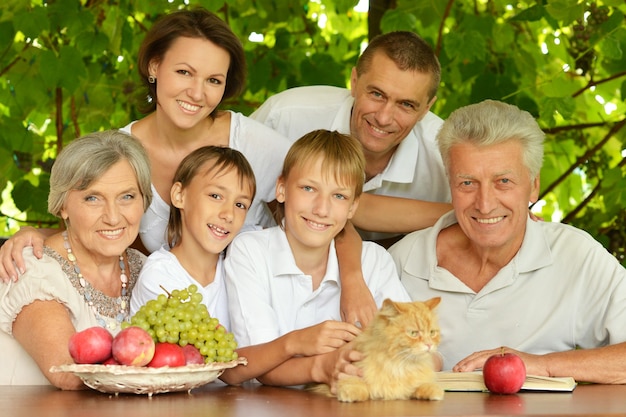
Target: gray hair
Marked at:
491, 122
87, 158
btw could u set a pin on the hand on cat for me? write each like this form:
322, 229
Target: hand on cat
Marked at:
344, 366
11, 260
322, 338
357, 304
535, 364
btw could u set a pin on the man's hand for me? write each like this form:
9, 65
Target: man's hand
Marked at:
357, 304
535, 364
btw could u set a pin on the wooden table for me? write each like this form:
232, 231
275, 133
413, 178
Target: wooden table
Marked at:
261, 401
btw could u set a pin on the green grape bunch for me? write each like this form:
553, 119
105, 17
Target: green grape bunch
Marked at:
181, 317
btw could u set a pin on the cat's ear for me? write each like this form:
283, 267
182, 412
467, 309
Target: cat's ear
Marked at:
433, 302
389, 308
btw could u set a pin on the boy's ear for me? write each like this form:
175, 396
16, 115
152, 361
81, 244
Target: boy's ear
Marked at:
280, 190
176, 195
355, 205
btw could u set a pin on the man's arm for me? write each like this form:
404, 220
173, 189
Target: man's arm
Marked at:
387, 214
357, 303
603, 365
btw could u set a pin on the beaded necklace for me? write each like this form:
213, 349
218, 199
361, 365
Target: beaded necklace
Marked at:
91, 295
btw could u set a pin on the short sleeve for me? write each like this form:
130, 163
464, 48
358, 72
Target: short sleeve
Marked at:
43, 280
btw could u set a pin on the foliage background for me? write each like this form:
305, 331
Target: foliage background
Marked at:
67, 67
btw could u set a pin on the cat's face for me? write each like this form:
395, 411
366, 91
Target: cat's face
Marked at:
411, 328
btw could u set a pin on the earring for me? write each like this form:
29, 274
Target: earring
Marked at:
151, 79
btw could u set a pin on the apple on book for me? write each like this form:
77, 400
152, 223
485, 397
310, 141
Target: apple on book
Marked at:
504, 373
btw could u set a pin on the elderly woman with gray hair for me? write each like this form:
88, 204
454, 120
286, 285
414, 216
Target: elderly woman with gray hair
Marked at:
100, 188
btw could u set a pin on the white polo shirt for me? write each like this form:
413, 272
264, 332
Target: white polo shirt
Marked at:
416, 169
561, 290
269, 296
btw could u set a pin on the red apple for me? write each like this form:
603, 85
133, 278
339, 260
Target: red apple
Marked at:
92, 345
193, 355
111, 361
504, 373
167, 354
133, 346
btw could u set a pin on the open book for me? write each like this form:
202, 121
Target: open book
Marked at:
473, 381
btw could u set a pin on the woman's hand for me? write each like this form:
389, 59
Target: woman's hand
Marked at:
11, 260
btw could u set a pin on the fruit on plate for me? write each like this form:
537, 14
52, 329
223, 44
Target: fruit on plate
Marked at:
192, 355
182, 318
92, 345
504, 373
167, 354
133, 346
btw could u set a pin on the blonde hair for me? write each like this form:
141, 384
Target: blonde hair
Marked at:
206, 160
87, 158
342, 157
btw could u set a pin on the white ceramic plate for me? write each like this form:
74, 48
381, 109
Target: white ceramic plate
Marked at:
114, 379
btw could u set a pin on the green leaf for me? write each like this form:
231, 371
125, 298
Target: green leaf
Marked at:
344, 6
560, 86
465, 46
70, 58
611, 48
32, 23
7, 32
51, 70
322, 68
565, 106
30, 198
397, 20
531, 14
567, 11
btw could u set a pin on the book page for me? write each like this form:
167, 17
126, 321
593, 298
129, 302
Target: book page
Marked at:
473, 381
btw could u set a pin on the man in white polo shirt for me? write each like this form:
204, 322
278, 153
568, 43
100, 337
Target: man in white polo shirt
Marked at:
393, 87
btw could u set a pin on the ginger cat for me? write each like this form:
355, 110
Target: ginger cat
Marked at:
397, 363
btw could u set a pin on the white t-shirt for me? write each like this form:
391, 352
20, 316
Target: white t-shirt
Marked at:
561, 290
264, 149
269, 296
416, 169
46, 279
162, 268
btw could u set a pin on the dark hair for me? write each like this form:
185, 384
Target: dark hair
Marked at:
206, 160
408, 51
193, 23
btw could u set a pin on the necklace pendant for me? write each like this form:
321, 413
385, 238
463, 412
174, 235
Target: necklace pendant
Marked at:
71, 257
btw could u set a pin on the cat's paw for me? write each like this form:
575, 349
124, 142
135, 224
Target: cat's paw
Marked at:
429, 391
352, 390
